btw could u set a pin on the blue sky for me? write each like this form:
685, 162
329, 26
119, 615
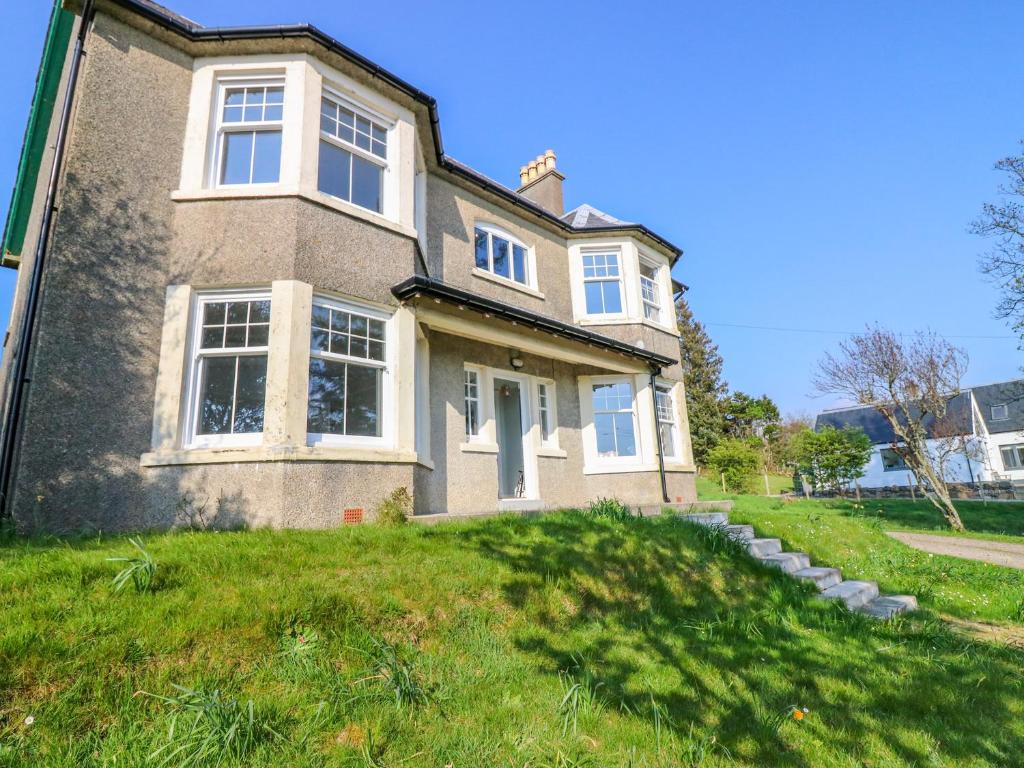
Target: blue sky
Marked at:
818, 162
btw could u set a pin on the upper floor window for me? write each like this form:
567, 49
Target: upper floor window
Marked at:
229, 369
347, 365
650, 292
613, 419
1000, 412
667, 420
353, 155
1013, 457
500, 255
602, 283
249, 124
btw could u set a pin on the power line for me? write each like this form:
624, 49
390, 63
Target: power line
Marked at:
838, 333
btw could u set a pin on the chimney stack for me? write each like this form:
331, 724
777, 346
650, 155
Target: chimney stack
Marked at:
541, 182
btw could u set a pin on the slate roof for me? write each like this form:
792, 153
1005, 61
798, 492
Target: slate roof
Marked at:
875, 426
588, 217
1008, 393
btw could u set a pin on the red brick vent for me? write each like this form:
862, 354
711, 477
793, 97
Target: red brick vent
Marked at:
353, 516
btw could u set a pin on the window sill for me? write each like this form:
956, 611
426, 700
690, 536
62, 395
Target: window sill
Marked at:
483, 274
617, 469
619, 320
478, 447
273, 191
552, 453
262, 453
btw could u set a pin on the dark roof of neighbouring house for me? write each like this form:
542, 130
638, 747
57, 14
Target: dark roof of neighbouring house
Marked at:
875, 426
1008, 393
189, 29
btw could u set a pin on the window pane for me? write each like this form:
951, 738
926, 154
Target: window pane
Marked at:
237, 158
362, 410
668, 446
366, 184
339, 321
259, 335
266, 166
326, 410
213, 313
500, 249
213, 338
319, 341
595, 298
358, 347
359, 325
321, 316
235, 96
624, 440
604, 426
481, 248
612, 299
519, 263
259, 311
238, 312
235, 336
334, 170
251, 393
216, 394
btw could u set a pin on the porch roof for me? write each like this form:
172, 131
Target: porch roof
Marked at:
419, 285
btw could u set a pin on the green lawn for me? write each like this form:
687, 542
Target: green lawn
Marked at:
555, 641
852, 536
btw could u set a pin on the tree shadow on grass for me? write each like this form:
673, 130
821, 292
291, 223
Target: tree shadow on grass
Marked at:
735, 645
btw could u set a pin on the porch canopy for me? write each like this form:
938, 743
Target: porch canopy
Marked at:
504, 324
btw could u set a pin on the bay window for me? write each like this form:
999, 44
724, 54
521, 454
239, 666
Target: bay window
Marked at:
229, 369
650, 292
249, 125
347, 368
602, 283
353, 155
614, 422
666, 414
472, 403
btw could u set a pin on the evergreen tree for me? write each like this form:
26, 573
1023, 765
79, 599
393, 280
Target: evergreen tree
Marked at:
702, 376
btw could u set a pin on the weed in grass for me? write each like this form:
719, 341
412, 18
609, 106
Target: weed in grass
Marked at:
717, 539
660, 719
395, 509
134, 653
562, 757
1018, 612
395, 675
613, 509
139, 570
206, 729
300, 645
581, 695
698, 748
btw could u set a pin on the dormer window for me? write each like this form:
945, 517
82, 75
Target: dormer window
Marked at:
249, 124
501, 255
1000, 412
353, 155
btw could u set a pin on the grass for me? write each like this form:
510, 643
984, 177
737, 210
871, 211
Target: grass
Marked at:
567, 640
711, 488
851, 536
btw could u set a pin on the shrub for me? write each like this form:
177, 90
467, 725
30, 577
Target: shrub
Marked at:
140, 570
395, 509
739, 461
610, 508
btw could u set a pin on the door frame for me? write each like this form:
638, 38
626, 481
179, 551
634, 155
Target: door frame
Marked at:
531, 486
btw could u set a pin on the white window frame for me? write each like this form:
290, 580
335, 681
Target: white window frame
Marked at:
637, 456
1005, 411
1018, 451
385, 163
529, 258
550, 408
669, 389
387, 366
619, 254
190, 438
220, 128
477, 436
653, 286
901, 467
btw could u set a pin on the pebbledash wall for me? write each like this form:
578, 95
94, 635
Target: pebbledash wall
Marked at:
125, 258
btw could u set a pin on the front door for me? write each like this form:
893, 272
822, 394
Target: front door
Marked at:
508, 415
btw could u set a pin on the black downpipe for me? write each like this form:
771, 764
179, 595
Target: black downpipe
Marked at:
12, 419
657, 434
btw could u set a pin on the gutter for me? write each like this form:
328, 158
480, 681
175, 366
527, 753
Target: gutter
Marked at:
19, 373
418, 285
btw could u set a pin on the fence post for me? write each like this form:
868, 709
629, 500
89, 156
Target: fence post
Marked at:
856, 484
723, 482
767, 488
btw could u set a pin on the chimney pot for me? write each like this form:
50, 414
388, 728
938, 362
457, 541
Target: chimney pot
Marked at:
524, 174
541, 182
549, 160
532, 174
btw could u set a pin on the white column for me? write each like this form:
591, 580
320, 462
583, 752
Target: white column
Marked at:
174, 363
284, 423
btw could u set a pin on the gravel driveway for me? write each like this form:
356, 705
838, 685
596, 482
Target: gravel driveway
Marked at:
997, 552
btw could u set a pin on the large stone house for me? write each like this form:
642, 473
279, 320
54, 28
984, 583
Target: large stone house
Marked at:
265, 288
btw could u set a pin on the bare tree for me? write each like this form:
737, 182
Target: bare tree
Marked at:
953, 439
1003, 221
910, 382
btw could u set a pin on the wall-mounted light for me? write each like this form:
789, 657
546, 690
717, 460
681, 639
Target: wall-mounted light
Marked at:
516, 361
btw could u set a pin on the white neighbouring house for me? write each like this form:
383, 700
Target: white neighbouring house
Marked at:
982, 436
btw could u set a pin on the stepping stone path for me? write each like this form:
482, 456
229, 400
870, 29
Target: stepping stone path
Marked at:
861, 596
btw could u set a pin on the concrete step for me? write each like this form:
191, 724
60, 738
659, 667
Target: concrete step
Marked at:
740, 532
708, 518
887, 606
788, 562
823, 578
853, 593
763, 547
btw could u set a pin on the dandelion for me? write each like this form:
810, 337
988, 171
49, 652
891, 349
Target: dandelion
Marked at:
800, 713
29, 720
